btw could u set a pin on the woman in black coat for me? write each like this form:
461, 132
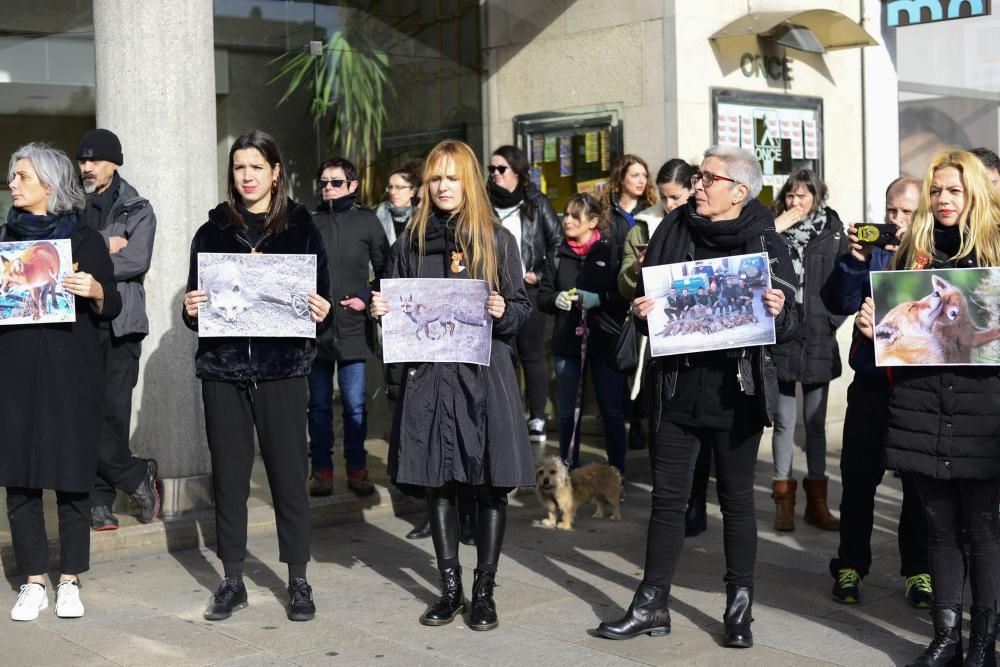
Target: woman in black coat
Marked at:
250, 384
51, 422
461, 425
527, 214
944, 421
719, 399
815, 238
580, 287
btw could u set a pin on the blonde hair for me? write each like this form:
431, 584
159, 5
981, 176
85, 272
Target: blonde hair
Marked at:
978, 222
475, 222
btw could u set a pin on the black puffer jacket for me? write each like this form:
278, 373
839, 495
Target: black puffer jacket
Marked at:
944, 421
353, 239
541, 232
252, 359
812, 356
596, 272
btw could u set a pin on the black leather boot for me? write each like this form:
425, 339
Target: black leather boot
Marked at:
452, 601
982, 639
422, 531
484, 610
648, 614
945, 650
738, 616
695, 518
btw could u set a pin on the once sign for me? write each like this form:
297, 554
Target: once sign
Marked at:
766, 67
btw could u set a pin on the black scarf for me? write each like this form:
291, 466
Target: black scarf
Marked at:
99, 203
338, 205
440, 239
947, 240
30, 227
501, 198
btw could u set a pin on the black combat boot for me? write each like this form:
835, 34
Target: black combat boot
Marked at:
983, 638
484, 609
945, 650
648, 614
738, 616
452, 601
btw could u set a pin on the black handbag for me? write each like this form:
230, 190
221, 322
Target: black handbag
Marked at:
625, 351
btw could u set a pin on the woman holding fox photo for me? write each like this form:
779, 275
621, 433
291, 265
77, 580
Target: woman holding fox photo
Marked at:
258, 384
51, 422
944, 421
460, 426
718, 399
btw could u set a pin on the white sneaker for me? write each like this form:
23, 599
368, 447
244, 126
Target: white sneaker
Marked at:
68, 603
536, 430
31, 600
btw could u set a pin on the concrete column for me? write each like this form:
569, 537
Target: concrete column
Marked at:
156, 91
880, 87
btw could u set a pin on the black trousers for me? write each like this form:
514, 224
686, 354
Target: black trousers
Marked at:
531, 353
862, 466
276, 409
673, 454
27, 531
491, 522
116, 467
950, 507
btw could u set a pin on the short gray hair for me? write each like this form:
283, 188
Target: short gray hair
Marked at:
742, 166
55, 170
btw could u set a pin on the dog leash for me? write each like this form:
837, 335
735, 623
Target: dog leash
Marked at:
583, 331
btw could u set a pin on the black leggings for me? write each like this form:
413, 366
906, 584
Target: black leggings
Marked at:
490, 523
531, 353
950, 506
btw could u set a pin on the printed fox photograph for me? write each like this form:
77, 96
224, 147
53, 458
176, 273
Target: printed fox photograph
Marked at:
31, 290
937, 317
436, 320
710, 304
256, 295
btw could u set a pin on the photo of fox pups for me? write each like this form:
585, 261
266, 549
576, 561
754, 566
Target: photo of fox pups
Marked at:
562, 491
937, 329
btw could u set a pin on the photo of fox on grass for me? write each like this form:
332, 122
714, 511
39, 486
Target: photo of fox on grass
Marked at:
937, 317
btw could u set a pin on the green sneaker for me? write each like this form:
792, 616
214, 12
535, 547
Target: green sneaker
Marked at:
919, 593
847, 588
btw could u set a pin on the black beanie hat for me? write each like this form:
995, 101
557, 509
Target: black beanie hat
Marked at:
100, 145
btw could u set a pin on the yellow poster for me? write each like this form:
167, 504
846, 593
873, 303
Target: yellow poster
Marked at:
591, 146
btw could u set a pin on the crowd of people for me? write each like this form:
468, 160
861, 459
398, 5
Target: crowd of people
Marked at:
568, 283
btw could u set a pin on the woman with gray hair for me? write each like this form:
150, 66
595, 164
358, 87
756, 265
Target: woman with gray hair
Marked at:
60, 369
719, 399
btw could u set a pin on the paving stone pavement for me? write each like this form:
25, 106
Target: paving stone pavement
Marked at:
371, 584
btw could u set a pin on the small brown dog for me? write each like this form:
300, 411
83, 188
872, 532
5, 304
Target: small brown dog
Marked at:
561, 491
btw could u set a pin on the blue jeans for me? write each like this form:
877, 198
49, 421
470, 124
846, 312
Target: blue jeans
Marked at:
351, 378
609, 385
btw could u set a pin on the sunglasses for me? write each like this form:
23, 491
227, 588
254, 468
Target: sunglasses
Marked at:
335, 182
707, 178
494, 168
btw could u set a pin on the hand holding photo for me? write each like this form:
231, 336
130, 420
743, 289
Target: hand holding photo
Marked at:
937, 317
710, 304
31, 287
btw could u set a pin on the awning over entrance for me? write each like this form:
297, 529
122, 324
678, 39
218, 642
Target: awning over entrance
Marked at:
814, 30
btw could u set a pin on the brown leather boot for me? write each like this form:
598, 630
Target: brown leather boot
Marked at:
783, 492
817, 511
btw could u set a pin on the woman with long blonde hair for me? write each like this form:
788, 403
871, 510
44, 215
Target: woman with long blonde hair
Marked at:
943, 421
459, 427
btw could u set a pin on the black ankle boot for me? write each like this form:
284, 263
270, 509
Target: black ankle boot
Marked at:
982, 639
452, 601
738, 616
484, 609
695, 518
648, 614
422, 531
467, 525
945, 650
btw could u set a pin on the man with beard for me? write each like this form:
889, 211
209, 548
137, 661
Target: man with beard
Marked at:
128, 225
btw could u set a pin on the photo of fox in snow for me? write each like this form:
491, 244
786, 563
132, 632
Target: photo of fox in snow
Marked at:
937, 317
436, 319
256, 295
31, 289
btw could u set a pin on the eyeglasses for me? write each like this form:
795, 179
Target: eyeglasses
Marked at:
707, 178
494, 168
397, 188
335, 182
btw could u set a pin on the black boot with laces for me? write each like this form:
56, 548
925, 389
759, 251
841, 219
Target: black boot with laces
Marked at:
982, 639
945, 650
452, 601
484, 609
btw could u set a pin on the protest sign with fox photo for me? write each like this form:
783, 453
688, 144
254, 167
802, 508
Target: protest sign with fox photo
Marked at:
31, 289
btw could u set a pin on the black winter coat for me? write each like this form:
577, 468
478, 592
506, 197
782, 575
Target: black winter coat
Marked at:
812, 356
463, 422
596, 272
253, 359
944, 422
541, 232
353, 239
52, 419
620, 225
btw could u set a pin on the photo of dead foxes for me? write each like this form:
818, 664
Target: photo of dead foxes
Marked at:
256, 295
31, 290
436, 320
932, 317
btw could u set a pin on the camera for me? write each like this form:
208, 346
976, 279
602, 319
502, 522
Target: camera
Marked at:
876, 235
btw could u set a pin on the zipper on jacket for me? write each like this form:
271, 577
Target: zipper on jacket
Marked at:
253, 247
